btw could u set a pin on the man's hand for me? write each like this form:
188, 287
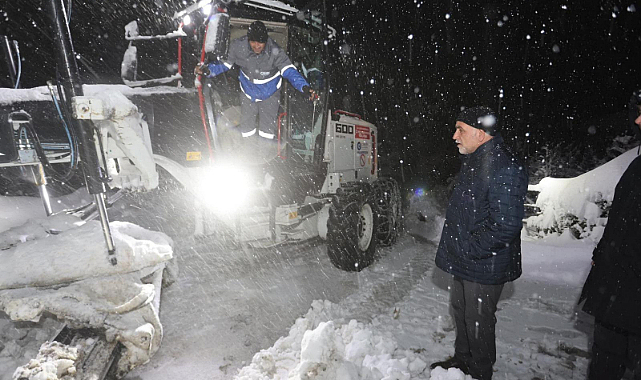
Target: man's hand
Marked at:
201, 69
313, 96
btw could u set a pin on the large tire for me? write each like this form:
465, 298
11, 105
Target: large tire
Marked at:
390, 211
351, 233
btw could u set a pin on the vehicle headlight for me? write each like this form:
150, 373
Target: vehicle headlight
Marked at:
225, 188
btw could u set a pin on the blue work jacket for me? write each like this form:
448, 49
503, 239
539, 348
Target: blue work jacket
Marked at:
261, 75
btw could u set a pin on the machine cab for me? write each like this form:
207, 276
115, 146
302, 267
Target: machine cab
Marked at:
299, 120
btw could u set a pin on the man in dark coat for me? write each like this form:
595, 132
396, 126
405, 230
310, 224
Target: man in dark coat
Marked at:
481, 240
612, 291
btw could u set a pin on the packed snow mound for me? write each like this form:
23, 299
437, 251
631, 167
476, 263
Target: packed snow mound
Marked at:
16, 210
62, 249
54, 361
564, 261
323, 348
120, 305
85, 301
34, 229
579, 196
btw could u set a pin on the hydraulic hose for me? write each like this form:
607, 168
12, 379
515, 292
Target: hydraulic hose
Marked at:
39, 151
72, 143
15, 45
42, 157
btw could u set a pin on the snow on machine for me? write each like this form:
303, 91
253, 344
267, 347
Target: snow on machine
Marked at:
319, 179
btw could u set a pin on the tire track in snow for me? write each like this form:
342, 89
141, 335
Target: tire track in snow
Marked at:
389, 279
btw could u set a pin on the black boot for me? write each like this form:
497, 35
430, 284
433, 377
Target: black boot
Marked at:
453, 362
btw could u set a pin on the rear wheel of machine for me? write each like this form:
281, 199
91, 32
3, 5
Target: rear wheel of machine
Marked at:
351, 235
390, 211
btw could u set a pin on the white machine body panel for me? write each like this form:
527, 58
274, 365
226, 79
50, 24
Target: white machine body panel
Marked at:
350, 151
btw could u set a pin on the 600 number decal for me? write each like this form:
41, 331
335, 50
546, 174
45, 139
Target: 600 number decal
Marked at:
344, 128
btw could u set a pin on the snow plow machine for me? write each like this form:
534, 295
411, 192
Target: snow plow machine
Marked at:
318, 178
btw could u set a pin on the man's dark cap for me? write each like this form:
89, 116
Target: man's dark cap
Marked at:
480, 118
257, 32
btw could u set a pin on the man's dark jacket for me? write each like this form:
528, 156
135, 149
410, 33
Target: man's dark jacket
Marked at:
613, 288
481, 239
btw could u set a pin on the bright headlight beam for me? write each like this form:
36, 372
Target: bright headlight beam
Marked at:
225, 189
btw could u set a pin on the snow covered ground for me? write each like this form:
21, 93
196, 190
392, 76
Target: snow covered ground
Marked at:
287, 313
539, 333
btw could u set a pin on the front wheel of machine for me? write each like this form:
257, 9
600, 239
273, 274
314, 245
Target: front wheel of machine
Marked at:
351, 239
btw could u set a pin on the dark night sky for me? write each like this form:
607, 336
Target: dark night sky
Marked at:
561, 67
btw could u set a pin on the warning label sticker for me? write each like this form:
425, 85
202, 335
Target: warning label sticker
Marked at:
362, 132
363, 160
194, 156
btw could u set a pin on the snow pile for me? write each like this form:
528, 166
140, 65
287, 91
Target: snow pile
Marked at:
564, 261
54, 361
48, 252
448, 374
333, 350
19, 343
18, 210
536, 332
578, 202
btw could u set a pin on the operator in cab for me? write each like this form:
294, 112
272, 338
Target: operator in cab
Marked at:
263, 64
